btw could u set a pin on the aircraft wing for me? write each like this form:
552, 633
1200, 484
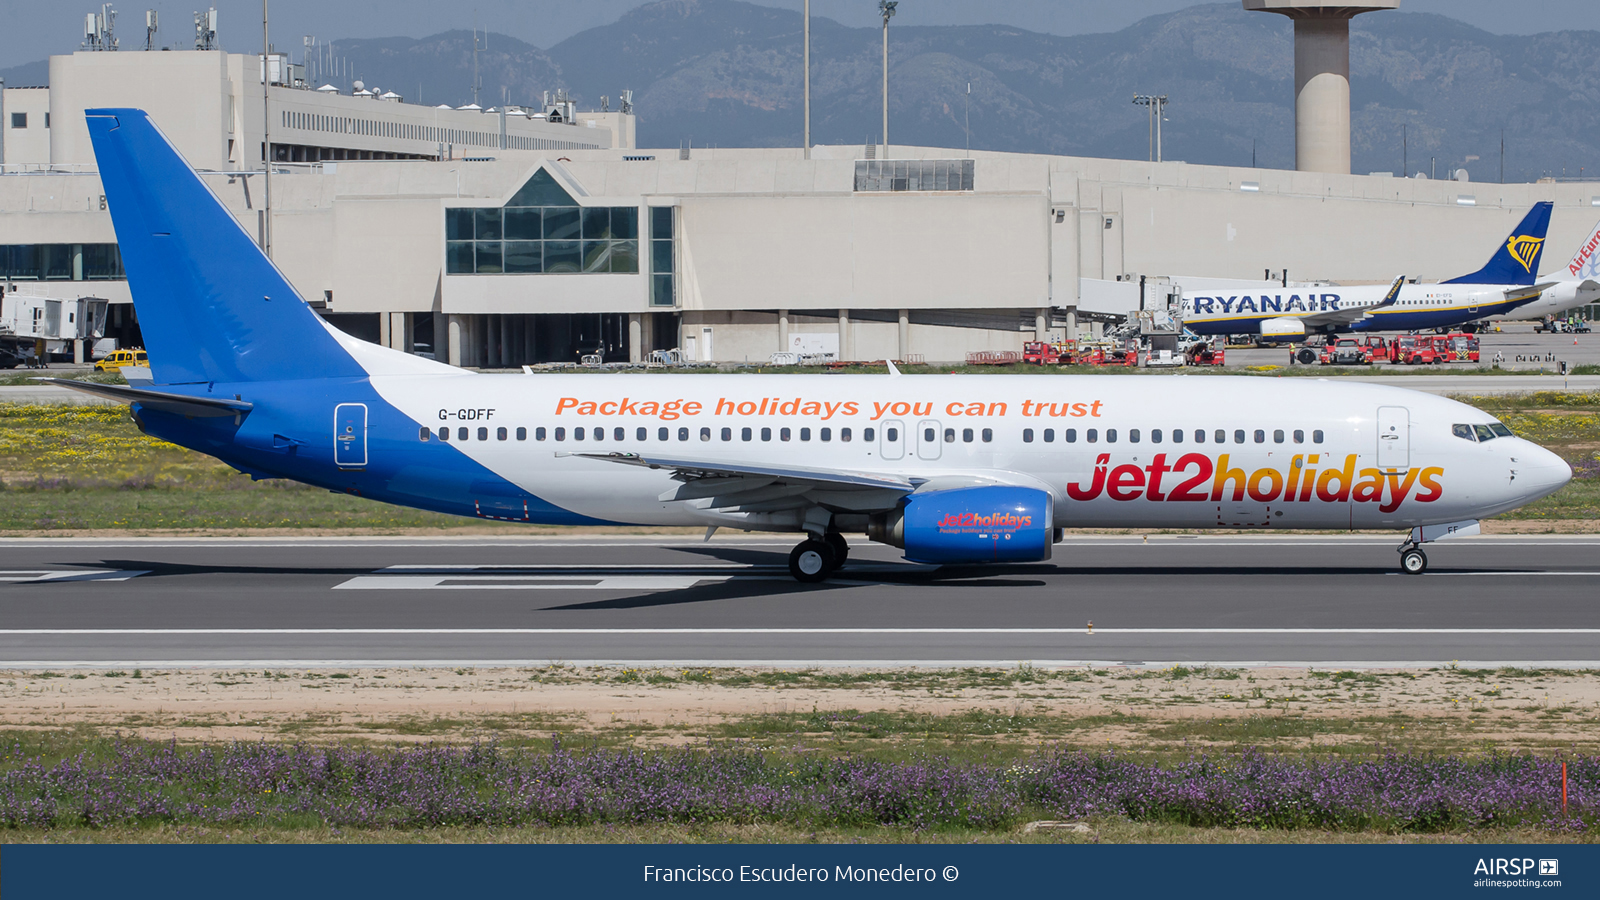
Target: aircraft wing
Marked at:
752, 487
178, 404
1347, 315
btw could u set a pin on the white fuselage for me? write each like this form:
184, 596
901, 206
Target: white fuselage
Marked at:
1114, 451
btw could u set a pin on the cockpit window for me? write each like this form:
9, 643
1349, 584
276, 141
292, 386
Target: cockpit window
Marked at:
1484, 433
1500, 430
1463, 431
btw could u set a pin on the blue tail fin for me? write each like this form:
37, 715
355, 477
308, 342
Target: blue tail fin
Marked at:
212, 307
1517, 261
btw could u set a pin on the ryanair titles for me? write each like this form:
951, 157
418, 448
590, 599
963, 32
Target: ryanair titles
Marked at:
1260, 303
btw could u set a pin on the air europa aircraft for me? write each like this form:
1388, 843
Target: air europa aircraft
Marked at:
1506, 282
953, 469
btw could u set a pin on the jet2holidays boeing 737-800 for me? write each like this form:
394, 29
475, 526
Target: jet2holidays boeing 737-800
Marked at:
1507, 282
953, 469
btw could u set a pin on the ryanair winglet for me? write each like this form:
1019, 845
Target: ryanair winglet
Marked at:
1394, 293
1517, 260
211, 305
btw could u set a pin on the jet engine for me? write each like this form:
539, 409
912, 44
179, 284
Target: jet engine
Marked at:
986, 524
1283, 328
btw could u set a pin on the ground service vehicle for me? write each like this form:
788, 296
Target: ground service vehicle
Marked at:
1202, 353
952, 469
1455, 347
1414, 350
117, 359
1344, 352
1048, 354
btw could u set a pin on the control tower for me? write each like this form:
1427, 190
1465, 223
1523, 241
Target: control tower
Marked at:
1321, 78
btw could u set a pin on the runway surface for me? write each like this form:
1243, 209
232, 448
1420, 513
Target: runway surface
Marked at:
1250, 599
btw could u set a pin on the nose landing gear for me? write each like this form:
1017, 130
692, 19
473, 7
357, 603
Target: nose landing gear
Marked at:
1413, 561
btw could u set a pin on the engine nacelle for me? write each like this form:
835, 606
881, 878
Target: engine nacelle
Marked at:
1283, 328
971, 525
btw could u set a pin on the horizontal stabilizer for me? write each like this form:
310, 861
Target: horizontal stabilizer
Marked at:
177, 404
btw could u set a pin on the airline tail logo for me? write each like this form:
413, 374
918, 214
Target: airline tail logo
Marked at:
1524, 249
1586, 264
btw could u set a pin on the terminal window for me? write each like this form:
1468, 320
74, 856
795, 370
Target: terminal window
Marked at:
914, 174
542, 230
60, 262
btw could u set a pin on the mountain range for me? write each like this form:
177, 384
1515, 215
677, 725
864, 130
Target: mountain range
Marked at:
1427, 92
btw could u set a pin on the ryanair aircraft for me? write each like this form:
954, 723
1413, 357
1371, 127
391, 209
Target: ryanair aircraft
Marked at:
952, 469
1506, 283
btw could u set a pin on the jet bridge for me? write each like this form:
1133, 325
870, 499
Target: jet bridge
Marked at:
32, 321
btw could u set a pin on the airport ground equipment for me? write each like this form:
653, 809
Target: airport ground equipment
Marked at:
117, 360
1041, 353
993, 358
1203, 353
1344, 352
31, 321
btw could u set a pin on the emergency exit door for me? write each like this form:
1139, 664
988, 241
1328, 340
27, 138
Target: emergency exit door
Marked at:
928, 444
350, 435
893, 440
1394, 437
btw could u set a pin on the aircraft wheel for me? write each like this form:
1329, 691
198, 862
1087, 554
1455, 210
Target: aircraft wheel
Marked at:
841, 549
1413, 562
811, 561
1306, 357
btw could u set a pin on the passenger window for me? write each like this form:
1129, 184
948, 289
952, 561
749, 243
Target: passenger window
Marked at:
1177, 435
805, 434
705, 434
1299, 436
577, 434
662, 434
1316, 436
643, 434
1261, 436
1238, 435
929, 435
683, 434
745, 434
727, 434
1111, 435
1484, 434
766, 434
1027, 435
522, 433
783, 434
1133, 435
890, 434
966, 435
424, 435
1049, 435
618, 434
988, 435
1277, 436
501, 434
1463, 431
461, 433
949, 435
561, 434
1219, 437
844, 435
1070, 435
826, 434
1155, 435
1199, 435
1092, 436
539, 433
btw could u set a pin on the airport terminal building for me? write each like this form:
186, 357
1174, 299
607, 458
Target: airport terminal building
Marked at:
510, 236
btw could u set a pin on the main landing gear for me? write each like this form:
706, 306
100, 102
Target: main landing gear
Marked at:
812, 560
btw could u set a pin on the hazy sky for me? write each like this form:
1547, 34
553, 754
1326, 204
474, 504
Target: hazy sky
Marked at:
34, 30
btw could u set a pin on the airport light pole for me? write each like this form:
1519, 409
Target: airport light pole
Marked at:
1157, 106
886, 8
266, 136
807, 67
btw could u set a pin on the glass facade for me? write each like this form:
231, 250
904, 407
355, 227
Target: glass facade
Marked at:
914, 174
60, 262
662, 273
541, 230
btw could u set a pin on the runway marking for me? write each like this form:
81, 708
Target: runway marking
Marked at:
565, 582
46, 576
870, 631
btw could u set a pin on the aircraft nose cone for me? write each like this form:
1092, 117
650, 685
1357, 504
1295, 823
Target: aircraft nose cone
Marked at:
1540, 473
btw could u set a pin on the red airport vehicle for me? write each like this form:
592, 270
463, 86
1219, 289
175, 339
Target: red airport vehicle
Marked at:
1414, 350
1204, 354
1109, 354
1042, 354
1378, 349
1344, 352
1458, 347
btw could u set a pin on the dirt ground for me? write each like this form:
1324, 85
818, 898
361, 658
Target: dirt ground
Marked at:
1509, 709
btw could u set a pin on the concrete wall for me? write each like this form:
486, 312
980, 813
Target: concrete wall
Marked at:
30, 145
